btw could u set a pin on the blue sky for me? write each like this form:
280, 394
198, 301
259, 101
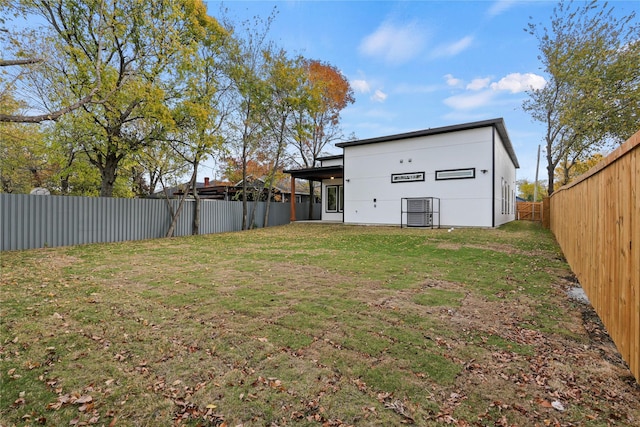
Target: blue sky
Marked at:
422, 64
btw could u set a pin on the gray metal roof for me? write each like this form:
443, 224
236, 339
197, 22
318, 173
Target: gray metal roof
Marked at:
317, 173
498, 124
331, 157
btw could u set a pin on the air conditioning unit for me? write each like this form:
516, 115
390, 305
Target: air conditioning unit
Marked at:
419, 213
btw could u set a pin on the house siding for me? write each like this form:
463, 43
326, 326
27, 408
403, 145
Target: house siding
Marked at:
333, 161
505, 175
371, 197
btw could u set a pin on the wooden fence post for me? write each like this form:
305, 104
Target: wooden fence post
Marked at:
546, 211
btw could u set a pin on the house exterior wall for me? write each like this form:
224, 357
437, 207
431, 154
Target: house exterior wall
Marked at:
331, 161
372, 198
504, 185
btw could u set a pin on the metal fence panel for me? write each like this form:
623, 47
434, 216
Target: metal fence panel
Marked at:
29, 222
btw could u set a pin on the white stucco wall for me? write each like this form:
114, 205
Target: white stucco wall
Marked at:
331, 162
371, 197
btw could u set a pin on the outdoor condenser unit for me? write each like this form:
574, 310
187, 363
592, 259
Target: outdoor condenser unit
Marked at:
419, 213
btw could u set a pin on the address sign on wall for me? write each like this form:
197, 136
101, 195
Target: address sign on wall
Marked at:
407, 177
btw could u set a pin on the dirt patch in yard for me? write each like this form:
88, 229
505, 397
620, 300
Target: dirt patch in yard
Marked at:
538, 376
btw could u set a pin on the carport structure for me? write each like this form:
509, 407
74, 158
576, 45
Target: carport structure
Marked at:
316, 174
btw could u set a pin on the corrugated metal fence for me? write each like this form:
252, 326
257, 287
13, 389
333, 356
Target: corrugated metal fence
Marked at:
596, 220
29, 222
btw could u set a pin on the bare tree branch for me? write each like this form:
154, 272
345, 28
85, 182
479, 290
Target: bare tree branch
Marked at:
11, 62
19, 118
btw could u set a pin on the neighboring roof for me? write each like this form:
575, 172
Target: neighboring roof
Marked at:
171, 191
498, 124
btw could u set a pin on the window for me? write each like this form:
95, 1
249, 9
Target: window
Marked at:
456, 174
502, 203
335, 198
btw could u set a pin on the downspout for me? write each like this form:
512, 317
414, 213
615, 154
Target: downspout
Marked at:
344, 187
493, 177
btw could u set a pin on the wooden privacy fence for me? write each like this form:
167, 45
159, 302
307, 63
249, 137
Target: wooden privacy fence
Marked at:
30, 222
596, 221
529, 211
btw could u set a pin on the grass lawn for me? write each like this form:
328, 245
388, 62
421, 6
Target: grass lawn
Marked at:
307, 324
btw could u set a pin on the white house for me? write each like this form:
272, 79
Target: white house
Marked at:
462, 175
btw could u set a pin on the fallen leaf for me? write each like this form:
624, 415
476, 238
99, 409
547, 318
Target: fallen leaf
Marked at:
83, 399
54, 406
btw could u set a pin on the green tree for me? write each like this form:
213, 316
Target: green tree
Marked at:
196, 134
31, 57
592, 97
568, 171
246, 68
317, 121
286, 94
23, 161
526, 190
139, 45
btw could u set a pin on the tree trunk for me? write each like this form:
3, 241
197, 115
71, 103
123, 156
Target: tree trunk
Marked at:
244, 187
265, 220
64, 184
108, 175
550, 177
195, 230
176, 215
252, 216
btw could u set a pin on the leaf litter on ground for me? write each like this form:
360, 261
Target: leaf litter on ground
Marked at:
316, 324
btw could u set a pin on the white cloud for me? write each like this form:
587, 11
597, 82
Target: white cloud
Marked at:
516, 82
481, 92
452, 81
469, 101
500, 6
379, 96
394, 43
361, 86
478, 84
452, 49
